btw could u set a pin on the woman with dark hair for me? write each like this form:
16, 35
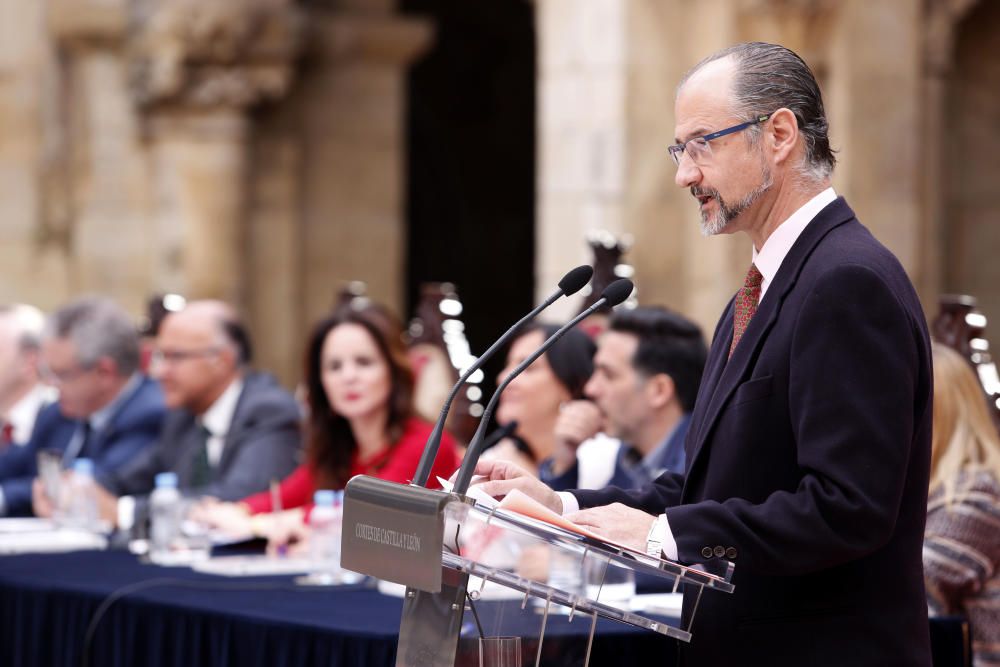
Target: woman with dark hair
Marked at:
530, 404
359, 390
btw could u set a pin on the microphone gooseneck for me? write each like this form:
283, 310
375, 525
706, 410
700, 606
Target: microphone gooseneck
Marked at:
570, 283
612, 295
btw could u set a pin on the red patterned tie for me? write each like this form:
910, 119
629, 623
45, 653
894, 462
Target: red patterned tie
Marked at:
6, 435
746, 305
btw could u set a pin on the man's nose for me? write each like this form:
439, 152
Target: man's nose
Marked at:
688, 173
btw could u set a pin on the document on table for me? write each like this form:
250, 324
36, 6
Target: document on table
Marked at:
51, 541
253, 566
26, 525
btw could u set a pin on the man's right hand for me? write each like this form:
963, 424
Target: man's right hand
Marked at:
577, 421
502, 477
41, 505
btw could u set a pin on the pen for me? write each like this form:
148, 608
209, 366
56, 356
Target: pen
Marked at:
276, 509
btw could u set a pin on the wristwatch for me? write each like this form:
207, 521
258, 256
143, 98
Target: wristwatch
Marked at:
657, 534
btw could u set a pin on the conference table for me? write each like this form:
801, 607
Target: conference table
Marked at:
109, 609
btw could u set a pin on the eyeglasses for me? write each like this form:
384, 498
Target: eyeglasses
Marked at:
698, 148
178, 356
63, 376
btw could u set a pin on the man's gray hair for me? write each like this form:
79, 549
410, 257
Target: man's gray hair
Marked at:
770, 77
29, 323
98, 327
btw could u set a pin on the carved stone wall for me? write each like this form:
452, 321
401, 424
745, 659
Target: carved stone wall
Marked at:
249, 150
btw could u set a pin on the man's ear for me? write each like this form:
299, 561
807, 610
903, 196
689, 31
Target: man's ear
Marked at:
783, 135
229, 356
660, 390
106, 366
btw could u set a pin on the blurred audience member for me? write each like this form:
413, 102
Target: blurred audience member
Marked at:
107, 411
22, 392
962, 537
532, 401
229, 430
157, 308
361, 422
646, 375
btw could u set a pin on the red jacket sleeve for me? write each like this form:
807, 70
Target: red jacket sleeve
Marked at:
296, 490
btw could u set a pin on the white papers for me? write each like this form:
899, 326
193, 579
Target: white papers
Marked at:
51, 541
253, 566
32, 525
474, 492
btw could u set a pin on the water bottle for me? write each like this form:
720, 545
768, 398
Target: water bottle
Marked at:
165, 516
83, 511
325, 522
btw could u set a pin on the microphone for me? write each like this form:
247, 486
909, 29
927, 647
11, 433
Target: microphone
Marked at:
612, 295
571, 283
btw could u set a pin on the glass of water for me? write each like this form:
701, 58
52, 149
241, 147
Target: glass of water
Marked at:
499, 652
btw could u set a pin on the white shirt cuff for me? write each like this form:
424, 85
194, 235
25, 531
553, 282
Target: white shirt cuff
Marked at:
126, 513
569, 501
669, 543
3, 503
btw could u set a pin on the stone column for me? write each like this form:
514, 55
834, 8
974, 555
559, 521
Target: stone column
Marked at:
875, 107
352, 127
197, 68
327, 177
608, 70
36, 232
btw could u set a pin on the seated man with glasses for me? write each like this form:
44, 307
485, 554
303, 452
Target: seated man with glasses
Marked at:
229, 432
107, 411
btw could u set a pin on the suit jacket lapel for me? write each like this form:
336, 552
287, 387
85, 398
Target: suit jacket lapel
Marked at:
235, 425
729, 375
714, 366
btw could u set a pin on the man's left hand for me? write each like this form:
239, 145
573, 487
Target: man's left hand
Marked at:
107, 504
617, 522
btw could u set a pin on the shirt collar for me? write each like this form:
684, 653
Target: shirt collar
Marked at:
219, 416
100, 418
769, 258
23, 413
654, 460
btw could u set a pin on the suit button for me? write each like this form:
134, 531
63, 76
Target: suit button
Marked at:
706, 552
720, 551
731, 553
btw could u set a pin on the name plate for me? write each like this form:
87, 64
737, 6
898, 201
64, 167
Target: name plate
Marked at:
394, 532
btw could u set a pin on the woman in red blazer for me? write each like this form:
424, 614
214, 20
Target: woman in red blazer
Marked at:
359, 390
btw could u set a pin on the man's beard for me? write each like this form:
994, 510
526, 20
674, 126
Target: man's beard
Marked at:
716, 223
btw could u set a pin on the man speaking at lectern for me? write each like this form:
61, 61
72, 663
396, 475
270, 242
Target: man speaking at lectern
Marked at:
809, 444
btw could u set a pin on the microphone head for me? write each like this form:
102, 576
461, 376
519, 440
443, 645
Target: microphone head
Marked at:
617, 291
574, 281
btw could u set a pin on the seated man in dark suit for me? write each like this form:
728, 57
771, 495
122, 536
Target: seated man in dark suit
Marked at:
107, 411
229, 431
646, 375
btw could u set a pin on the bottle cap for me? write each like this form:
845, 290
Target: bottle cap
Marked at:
324, 498
166, 480
83, 467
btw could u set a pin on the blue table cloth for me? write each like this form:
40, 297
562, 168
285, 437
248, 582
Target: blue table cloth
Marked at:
173, 617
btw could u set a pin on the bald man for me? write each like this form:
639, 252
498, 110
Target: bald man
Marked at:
229, 432
22, 392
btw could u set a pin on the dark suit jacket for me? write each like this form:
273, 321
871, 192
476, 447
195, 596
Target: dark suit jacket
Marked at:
808, 459
134, 426
262, 444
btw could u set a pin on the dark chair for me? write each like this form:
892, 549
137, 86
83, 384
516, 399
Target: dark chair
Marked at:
951, 641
